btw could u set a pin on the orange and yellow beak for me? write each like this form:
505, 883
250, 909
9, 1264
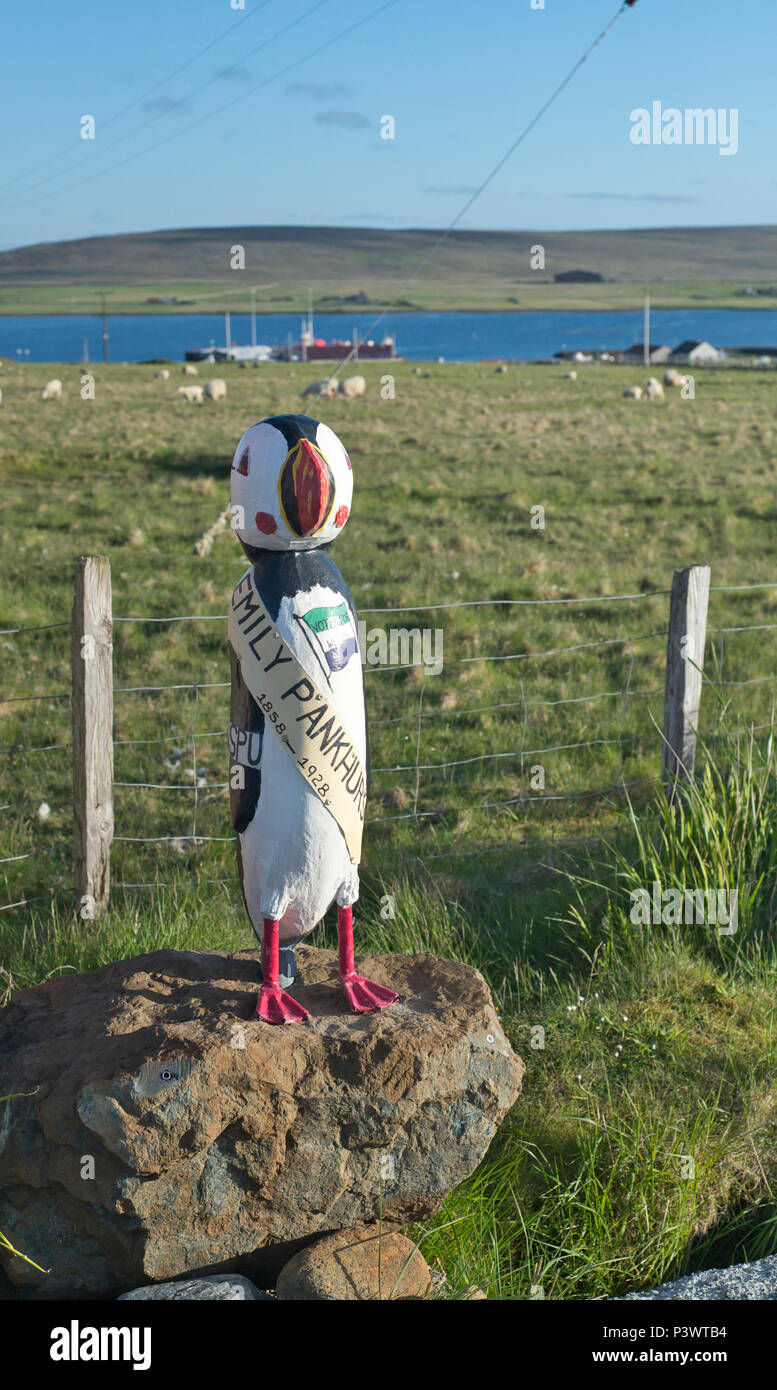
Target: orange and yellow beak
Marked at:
306, 489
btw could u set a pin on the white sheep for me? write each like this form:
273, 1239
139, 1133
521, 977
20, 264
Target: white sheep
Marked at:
52, 391
189, 370
633, 393
216, 389
570, 376
653, 391
162, 375
672, 377
327, 387
353, 386
192, 394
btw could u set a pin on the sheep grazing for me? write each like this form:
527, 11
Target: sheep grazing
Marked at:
633, 393
327, 387
192, 394
216, 389
164, 375
570, 376
672, 377
501, 368
653, 391
353, 386
188, 370
52, 391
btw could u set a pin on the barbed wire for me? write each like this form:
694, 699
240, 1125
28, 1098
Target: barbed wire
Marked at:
38, 748
515, 800
482, 757
193, 839
29, 699
43, 627
430, 607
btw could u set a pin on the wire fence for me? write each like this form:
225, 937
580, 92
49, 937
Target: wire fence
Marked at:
424, 805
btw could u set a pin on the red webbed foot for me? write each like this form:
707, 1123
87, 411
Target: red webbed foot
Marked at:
364, 996
274, 1005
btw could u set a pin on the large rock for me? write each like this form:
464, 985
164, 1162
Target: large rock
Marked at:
369, 1264
162, 1130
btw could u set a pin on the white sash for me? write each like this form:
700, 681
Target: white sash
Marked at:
314, 736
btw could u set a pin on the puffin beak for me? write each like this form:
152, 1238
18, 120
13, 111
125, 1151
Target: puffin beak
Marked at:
307, 489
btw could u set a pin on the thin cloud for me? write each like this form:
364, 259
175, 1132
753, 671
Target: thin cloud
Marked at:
163, 105
233, 74
347, 120
636, 197
373, 217
458, 188
318, 90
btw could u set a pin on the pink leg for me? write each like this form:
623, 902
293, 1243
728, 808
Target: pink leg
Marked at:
273, 1004
363, 996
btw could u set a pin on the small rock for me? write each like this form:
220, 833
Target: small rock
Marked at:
231, 1288
439, 1280
471, 1293
756, 1281
361, 1265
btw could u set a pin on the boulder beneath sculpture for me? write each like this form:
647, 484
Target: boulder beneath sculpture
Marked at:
158, 1129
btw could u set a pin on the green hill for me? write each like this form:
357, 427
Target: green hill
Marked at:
348, 268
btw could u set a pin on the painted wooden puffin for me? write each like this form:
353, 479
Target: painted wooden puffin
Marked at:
298, 727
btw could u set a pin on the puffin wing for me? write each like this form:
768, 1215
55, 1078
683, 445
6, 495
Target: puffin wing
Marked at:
246, 734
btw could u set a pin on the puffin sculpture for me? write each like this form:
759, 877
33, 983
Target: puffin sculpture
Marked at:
298, 728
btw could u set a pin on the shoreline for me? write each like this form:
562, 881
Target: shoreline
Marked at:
172, 311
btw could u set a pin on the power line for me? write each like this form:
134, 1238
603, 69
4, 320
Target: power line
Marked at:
369, 331
51, 159
225, 106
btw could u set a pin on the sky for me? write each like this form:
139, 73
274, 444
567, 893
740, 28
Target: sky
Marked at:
280, 120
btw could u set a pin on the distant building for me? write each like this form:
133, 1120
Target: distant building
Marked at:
658, 354
578, 277
695, 352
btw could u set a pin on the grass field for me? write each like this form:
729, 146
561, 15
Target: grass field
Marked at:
658, 1041
432, 294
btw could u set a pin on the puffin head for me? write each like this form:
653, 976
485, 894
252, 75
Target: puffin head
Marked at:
291, 485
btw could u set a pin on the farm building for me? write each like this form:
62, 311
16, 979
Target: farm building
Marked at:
636, 353
695, 351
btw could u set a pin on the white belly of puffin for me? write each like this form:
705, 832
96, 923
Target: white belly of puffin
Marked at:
295, 861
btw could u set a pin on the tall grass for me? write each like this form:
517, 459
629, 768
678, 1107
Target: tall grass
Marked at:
643, 1145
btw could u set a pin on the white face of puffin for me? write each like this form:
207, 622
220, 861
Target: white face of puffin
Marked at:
291, 486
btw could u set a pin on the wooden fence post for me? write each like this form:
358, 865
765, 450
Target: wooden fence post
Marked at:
92, 713
684, 662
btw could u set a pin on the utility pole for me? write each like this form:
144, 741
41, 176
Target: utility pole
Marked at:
105, 325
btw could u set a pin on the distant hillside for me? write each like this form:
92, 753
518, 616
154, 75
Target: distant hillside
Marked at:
362, 258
